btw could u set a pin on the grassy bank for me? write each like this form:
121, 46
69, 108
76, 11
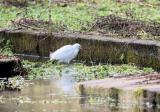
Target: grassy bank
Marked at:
79, 16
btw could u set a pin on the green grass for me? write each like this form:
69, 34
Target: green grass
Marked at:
5, 47
79, 16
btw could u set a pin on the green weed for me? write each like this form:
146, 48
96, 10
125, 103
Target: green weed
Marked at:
80, 72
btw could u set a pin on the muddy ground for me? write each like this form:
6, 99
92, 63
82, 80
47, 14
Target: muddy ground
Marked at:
25, 3
114, 25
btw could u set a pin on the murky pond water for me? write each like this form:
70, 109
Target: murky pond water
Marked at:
57, 96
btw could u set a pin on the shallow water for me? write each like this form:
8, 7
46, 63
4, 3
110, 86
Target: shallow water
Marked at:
58, 96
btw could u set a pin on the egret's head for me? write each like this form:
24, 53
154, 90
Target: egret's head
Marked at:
76, 45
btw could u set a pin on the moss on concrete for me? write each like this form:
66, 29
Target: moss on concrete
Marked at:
94, 48
138, 93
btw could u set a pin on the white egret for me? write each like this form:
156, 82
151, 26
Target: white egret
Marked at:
66, 53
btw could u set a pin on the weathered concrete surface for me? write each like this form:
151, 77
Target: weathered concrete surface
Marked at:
130, 90
94, 48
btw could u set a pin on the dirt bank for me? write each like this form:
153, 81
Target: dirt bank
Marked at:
114, 25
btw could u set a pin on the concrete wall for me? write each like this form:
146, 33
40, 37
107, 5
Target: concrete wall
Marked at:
94, 48
123, 97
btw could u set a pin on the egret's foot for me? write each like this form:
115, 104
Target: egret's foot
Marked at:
54, 61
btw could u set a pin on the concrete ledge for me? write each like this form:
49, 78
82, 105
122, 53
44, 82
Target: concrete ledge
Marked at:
94, 48
123, 90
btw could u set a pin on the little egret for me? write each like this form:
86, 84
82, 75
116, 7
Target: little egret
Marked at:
66, 53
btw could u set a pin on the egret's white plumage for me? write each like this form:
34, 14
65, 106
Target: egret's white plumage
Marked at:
66, 53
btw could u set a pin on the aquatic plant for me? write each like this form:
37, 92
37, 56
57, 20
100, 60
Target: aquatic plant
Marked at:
81, 72
13, 83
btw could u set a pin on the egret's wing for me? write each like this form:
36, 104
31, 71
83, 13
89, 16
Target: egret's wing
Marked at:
61, 53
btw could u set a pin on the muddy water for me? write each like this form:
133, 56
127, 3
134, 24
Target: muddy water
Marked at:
57, 96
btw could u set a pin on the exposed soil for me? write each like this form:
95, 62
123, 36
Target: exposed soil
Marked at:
17, 3
66, 1
124, 1
125, 27
33, 24
25, 3
30, 23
